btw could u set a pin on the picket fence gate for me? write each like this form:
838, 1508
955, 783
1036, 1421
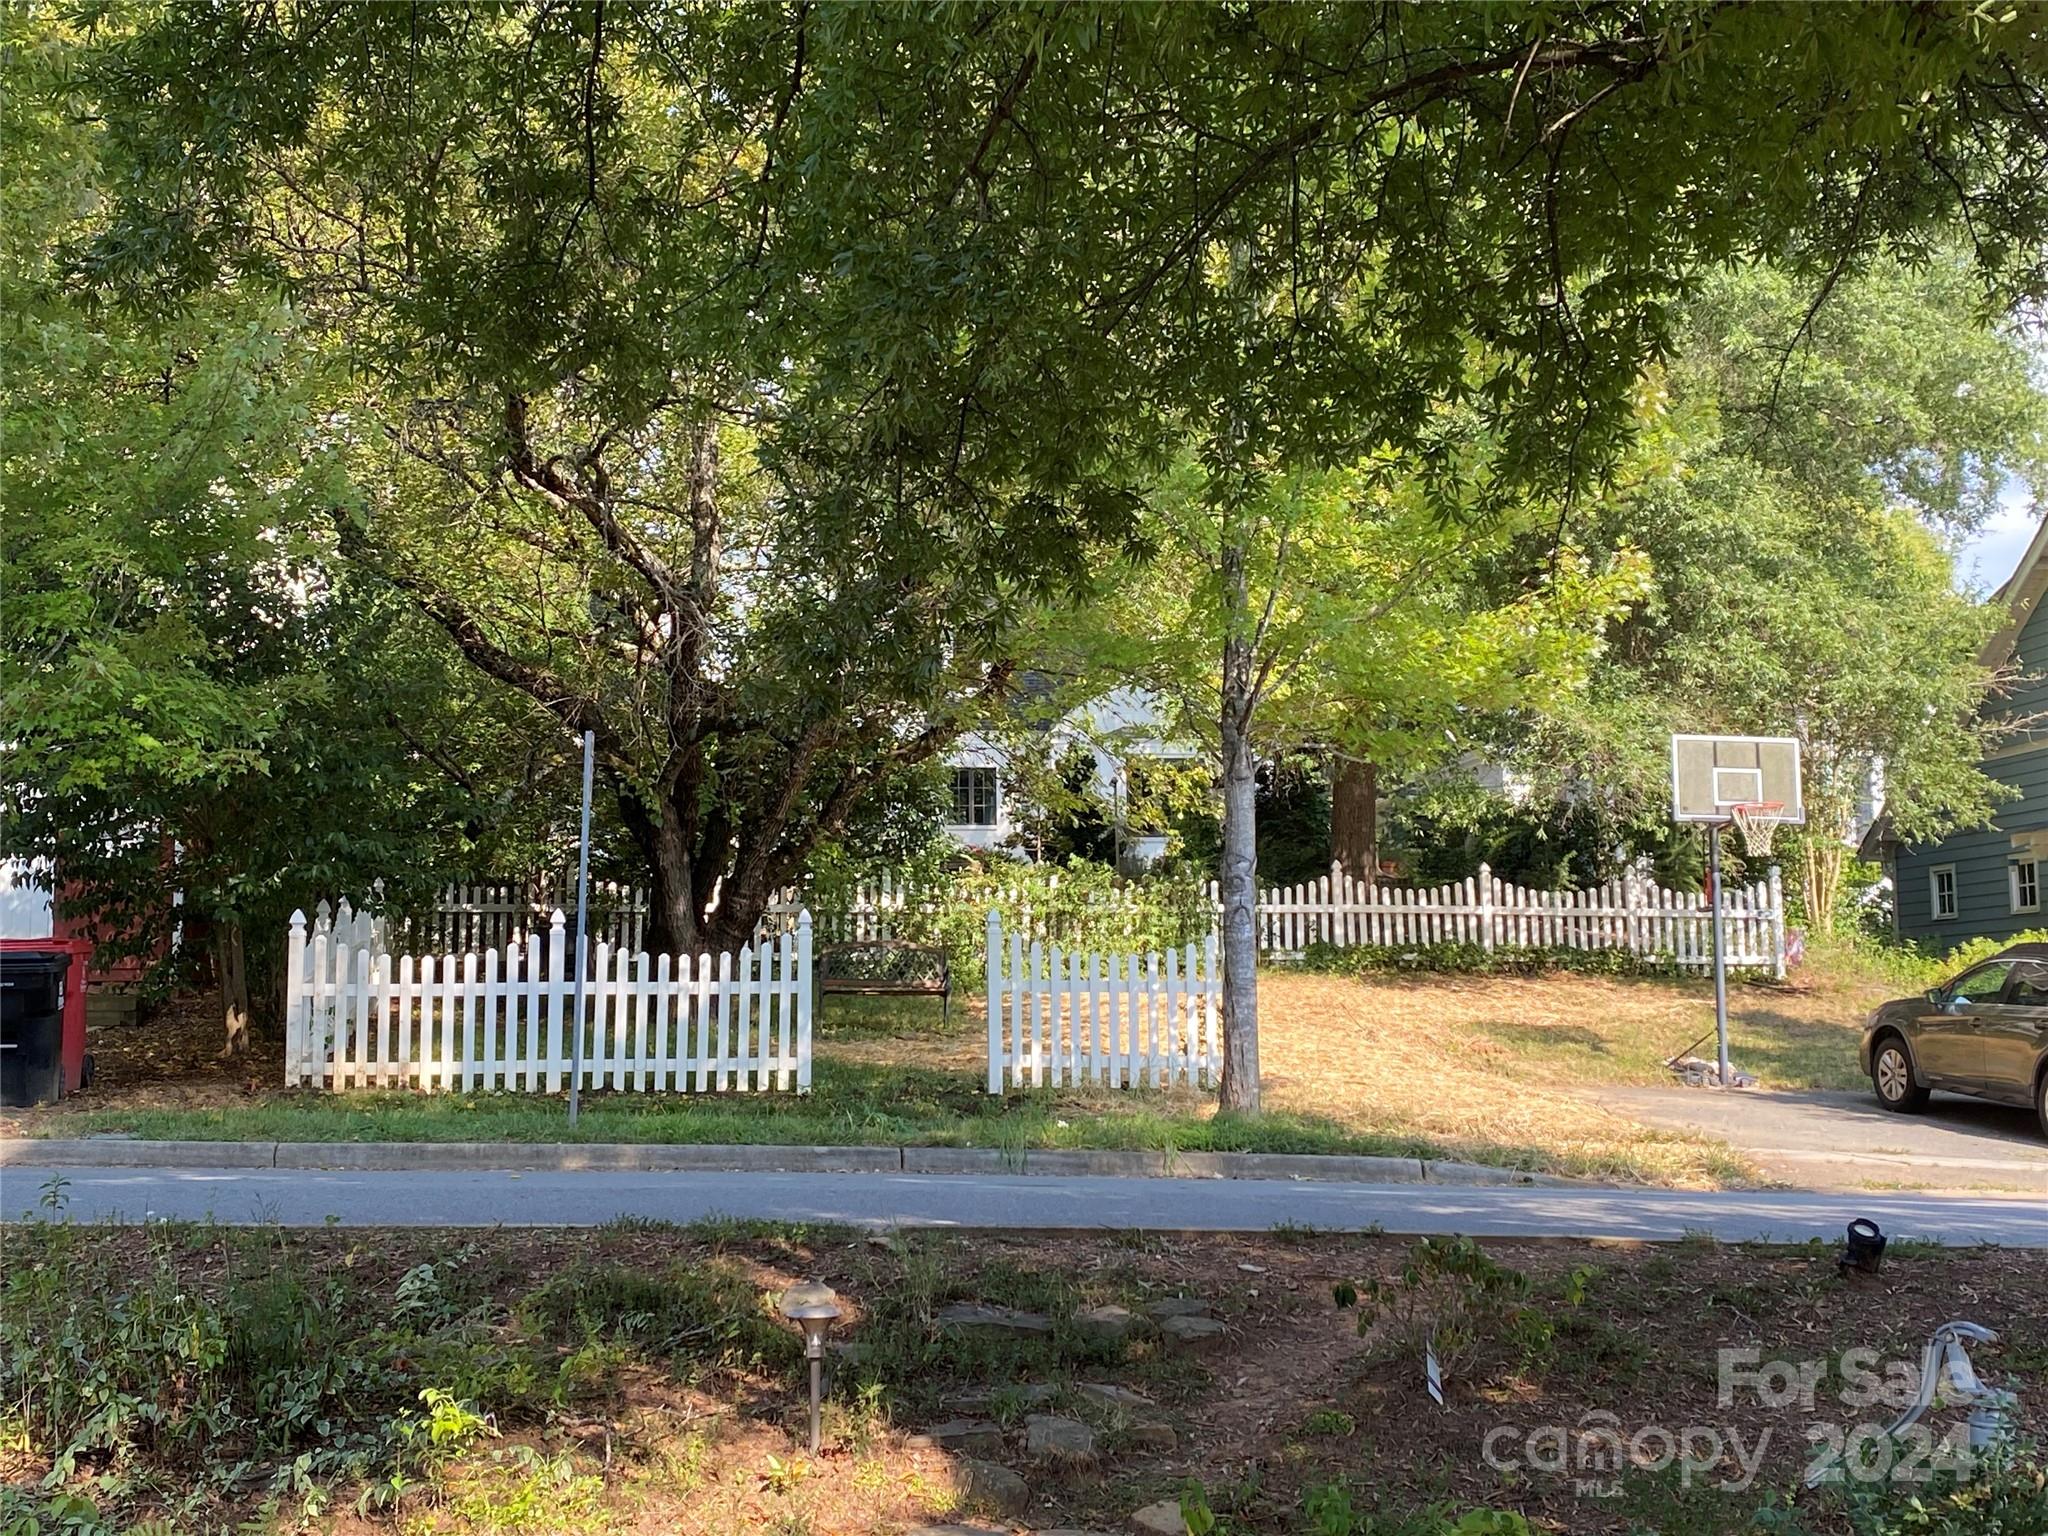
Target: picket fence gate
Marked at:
358, 1017
1063, 1018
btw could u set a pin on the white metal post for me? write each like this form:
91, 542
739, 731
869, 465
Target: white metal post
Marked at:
1777, 924
1720, 967
582, 917
993, 962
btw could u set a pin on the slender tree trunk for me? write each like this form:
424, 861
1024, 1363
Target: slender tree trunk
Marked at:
230, 965
1355, 819
1823, 858
1239, 876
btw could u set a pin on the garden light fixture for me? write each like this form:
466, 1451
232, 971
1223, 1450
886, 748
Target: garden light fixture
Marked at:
812, 1305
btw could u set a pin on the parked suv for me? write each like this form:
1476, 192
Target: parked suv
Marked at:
1985, 1033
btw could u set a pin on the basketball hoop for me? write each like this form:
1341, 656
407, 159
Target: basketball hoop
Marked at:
1757, 821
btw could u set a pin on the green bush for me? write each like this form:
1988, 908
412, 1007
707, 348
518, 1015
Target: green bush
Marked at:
2005, 1493
297, 1386
1477, 1313
1975, 951
1078, 906
1464, 959
104, 1374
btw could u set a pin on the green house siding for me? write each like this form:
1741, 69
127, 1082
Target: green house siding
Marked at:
2029, 695
1981, 859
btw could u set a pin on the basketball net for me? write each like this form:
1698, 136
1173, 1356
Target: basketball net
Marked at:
1757, 821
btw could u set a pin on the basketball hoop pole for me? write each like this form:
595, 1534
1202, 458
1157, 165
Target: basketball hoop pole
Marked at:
1752, 784
1720, 963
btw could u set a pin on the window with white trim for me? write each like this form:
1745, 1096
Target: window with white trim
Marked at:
2025, 876
1941, 891
976, 797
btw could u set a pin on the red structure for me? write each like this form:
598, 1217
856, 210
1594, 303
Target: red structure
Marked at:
73, 1044
92, 931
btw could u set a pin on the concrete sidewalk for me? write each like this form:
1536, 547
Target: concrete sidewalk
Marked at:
1836, 1140
649, 1157
305, 1198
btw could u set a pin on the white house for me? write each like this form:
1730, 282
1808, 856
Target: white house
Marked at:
1118, 727
25, 899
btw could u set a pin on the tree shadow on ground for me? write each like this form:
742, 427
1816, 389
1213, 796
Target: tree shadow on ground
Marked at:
1574, 1036
1796, 1052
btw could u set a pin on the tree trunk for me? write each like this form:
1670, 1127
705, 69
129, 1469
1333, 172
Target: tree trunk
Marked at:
1822, 857
1238, 877
230, 965
1355, 819
685, 880
673, 927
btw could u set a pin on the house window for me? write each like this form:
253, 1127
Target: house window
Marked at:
1942, 889
2026, 886
975, 797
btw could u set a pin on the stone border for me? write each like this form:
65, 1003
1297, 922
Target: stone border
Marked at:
647, 1157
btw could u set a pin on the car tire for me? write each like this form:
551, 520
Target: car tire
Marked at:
1891, 1074
2041, 1101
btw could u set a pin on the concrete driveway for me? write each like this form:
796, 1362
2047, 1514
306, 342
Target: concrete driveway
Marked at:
1842, 1140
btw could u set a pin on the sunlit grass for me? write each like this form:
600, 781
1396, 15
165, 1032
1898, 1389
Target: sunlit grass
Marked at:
1494, 1070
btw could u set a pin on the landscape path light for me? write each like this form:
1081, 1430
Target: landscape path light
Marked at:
812, 1305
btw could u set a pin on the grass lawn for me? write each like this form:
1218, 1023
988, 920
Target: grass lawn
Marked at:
1479, 1068
634, 1379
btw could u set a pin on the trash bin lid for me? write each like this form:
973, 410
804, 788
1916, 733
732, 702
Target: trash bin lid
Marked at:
24, 967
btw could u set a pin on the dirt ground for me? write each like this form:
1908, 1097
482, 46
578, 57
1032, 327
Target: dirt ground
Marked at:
170, 1060
1288, 1402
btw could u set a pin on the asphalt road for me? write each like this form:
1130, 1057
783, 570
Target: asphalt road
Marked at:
1844, 1140
475, 1199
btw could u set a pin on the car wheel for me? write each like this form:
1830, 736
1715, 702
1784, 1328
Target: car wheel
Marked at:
1891, 1073
2041, 1102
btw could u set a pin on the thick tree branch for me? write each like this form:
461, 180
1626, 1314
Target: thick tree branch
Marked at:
546, 478
576, 710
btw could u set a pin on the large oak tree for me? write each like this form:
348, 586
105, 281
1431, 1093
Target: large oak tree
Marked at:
964, 279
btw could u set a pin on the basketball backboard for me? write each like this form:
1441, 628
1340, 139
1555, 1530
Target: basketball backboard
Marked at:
1710, 775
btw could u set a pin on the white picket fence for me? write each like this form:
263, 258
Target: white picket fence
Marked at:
1063, 1018
1629, 914
358, 1017
492, 915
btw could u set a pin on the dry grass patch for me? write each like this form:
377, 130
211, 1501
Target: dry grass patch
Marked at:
1481, 1068
1412, 1058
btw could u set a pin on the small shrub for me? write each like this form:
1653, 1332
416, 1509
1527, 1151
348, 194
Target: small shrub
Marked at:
1976, 951
2006, 1491
447, 1428
711, 1315
1466, 959
1475, 1311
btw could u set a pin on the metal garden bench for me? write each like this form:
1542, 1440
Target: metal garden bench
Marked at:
886, 968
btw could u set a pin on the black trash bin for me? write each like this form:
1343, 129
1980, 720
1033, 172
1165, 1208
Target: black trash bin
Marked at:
32, 1026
